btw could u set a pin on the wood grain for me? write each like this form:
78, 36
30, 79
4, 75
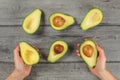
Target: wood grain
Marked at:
12, 12
59, 71
107, 36
70, 67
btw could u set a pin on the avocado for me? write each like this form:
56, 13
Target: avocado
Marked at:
29, 54
31, 22
89, 53
60, 21
57, 50
92, 19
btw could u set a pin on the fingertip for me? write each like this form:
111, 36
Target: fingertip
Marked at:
16, 50
98, 47
78, 53
78, 45
17, 47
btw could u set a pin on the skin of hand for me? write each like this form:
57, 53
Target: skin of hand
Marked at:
21, 70
100, 70
101, 63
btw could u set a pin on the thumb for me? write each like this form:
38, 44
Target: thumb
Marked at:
101, 51
16, 54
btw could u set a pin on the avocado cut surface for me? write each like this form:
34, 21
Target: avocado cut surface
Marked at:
60, 21
92, 19
57, 50
89, 53
31, 22
29, 54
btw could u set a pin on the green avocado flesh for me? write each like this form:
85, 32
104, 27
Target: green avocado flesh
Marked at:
31, 22
92, 19
88, 52
60, 21
29, 54
57, 50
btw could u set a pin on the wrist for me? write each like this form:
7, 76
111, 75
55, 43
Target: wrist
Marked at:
18, 74
106, 75
102, 74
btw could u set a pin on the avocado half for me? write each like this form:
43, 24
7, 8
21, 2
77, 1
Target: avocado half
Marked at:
57, 50
60, 21
31, 22
29, 54
92, 19
89, 53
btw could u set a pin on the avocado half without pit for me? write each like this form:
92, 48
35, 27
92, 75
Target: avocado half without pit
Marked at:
31, 22
93, 18
29, 54
57, 50
89, 53
60, 21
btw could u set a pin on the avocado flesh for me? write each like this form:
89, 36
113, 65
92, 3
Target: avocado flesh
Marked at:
69, 20
93, 18
31, 22
29, 54
53, 57
90, 61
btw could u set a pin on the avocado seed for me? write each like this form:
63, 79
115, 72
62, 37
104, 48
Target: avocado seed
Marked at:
88, 50
58, 48
58, 21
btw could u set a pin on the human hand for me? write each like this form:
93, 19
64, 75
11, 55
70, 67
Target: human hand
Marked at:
101, 63
100, 70
21, 68
101, 60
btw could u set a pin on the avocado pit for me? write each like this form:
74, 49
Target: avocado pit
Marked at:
88, 50
58, 21
58, 48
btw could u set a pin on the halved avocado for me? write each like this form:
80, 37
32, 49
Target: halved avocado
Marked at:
89, 53
57, 50
31, 22
29, 54
92, 19
60, 21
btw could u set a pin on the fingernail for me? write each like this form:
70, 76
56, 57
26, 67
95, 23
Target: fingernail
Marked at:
99, 45
16, 45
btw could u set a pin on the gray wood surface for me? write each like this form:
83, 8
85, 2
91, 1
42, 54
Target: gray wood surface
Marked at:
70, 67
13, 11
58, 71
108, 39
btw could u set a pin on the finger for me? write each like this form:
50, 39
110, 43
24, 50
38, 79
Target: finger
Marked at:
78, 45
28, 70
16, 51
78, 53
101, 51
16, 54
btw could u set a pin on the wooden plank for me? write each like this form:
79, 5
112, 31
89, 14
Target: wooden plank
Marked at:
107, 36
59, 71
12, 12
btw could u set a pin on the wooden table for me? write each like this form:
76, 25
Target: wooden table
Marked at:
70, 67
